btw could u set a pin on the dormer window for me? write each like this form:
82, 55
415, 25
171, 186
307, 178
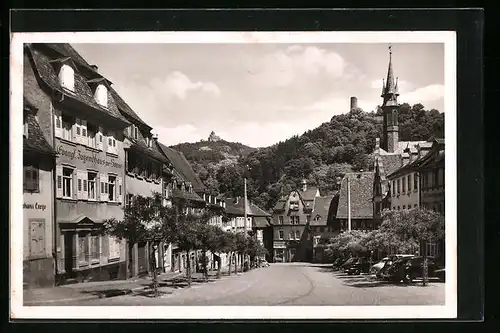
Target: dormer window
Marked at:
101, 95
67, 77
148, 142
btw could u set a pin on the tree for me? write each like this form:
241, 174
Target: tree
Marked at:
186, 231
146, 219
209, 240
241, 246
348, 242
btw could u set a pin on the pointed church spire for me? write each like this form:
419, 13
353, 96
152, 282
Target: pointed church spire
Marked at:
390, 91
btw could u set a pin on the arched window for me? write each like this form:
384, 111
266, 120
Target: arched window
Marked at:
67, 77
101, 95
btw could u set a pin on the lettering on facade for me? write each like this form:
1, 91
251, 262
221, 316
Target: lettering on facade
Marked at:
279, 245
34, 206
92, 158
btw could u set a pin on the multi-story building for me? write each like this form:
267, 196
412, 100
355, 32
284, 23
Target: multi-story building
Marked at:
355, 205
38, 206
291, 216
322, 225
391, 154
81, 120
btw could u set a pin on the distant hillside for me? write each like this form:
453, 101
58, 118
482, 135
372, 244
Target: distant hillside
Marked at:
320, 155
208, 156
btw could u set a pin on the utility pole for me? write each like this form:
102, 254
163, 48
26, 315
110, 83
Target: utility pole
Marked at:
245, 204
348, 204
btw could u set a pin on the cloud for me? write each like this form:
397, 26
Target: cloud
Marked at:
282, 68
179, 85
173, 135
429, 93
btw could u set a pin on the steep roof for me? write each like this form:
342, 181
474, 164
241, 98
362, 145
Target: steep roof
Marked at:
35, 141
82, 91
361, 192
192, 196
308, 196
430, 159
141, 147
260, 222
182, 166
236, 206
321, 208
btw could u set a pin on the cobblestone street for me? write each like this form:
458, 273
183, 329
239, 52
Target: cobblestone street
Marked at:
284, 284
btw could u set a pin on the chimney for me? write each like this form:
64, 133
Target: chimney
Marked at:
354, 103
94, 67
155, 137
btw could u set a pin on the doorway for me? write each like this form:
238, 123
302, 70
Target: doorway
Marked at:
68, 252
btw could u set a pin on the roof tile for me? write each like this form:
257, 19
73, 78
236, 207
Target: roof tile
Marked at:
361, 191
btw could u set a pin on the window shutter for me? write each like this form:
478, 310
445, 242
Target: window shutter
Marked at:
84, 138
75, 137
74, 181
119, 189
102, 187
85, 181
58, 123
59, 187
79, 180
100, 139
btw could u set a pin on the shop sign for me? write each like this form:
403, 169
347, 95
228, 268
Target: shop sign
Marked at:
35, 206
88, 157
279, 245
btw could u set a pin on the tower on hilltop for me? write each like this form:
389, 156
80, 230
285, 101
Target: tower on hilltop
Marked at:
390, 108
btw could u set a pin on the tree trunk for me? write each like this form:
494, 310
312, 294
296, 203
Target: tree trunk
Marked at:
205, 265
154, 269
229, 254
130, 260
235, 263
424, 264
219, 262
188, 268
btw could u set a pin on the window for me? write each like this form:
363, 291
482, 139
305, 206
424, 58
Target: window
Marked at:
67, 77
149, 169
91, 135
404, 206
292, 235
409, 183
91, 188
101, 95
67, 127
399, 186
280, 218
111, 143
415, 175
135, 131
432, 249
67, 182
111, 188
114, 248
31, 182
83, 249
281, 234
94, 248
37, 237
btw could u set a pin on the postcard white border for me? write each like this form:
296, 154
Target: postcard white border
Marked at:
449, 310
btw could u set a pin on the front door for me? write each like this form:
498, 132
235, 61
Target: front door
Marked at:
142, 258
68, 252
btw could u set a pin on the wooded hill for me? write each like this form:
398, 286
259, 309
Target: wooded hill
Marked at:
320, 155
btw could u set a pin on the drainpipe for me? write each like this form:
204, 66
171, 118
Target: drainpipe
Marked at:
54, 196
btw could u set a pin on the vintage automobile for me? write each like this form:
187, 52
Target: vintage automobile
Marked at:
407, 269
338, 263
360, 265
384, 263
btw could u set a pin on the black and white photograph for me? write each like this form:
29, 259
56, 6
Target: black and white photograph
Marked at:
233, 175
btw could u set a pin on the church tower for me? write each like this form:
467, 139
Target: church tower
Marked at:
390, 108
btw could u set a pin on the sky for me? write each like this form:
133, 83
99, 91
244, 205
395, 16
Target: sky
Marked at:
260, 94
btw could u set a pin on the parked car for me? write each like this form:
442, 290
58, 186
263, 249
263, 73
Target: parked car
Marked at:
440, 274
338, 262
407, 269
345, 266
378, 268
360, 265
